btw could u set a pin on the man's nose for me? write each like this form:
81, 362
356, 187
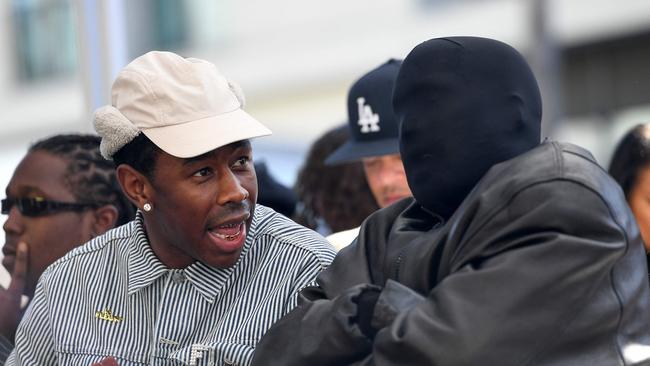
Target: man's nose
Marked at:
230, 189
388, 174
14, 224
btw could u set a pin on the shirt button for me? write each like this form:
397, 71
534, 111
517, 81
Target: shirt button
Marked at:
178, 277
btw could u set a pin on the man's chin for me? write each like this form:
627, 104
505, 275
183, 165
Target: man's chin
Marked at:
392, 199
224, 261
8, 263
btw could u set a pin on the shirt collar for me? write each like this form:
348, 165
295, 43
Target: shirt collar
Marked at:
143, 265
144, 268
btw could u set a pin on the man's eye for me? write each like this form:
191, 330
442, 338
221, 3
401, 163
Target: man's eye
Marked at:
242, 162
203, 172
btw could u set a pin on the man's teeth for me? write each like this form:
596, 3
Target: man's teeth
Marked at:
229, 237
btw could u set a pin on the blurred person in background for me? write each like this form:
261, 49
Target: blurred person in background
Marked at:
332, 198
512, 252
62, 194
272, 193
630, 167
202, 272
373, 140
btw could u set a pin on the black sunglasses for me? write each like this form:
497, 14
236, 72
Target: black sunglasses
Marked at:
39, 206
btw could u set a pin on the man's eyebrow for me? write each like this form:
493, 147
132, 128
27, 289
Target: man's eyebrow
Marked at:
234, 146
241, 143
194, 159
27, 190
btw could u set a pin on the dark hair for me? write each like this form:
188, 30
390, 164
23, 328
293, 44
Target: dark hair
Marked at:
272, 193
140, 153
631, 154
89, 177
337, 194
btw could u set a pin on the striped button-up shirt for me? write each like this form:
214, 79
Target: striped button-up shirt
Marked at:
113, 297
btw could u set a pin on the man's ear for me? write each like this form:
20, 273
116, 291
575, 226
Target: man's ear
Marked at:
135, 185
105, 219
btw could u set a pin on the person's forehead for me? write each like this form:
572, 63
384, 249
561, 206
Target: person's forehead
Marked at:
40, 173
643, 179
219, 152
389, 158
222, 153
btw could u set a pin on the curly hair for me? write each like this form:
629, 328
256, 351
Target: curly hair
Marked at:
89, 177
338, 195
630, 156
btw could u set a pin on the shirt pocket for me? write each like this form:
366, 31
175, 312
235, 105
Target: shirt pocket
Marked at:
220, 353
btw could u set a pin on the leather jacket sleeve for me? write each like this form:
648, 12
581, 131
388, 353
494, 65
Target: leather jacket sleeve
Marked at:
323, 328
319, 331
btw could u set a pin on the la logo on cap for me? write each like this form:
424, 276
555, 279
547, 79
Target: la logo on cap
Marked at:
368, 120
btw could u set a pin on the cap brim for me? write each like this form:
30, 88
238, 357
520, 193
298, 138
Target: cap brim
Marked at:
198, 137
355, 150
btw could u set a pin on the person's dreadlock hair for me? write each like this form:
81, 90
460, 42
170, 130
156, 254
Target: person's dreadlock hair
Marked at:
89, 177
140, 153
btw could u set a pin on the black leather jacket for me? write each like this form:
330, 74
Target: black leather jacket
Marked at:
542, 264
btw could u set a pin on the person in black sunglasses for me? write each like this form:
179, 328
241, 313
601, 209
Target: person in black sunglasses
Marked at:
61, 194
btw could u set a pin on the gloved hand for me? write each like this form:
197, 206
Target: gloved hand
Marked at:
378, 307
365, 309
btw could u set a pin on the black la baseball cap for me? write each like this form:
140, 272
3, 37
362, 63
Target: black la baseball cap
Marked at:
373, 125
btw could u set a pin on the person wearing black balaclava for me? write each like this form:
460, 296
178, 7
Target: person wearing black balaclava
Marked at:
511, 253
463, 110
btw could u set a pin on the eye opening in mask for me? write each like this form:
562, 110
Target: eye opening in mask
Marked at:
39, 206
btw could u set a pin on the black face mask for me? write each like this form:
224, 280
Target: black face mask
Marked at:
464, 104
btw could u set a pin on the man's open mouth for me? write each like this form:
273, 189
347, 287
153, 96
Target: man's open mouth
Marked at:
228, 232
228, 237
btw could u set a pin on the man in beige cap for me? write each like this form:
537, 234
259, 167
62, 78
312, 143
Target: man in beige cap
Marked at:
202, 272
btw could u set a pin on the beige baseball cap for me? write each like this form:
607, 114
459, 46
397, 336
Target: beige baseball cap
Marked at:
183, 105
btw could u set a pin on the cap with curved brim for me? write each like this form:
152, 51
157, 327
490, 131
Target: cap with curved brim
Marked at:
190, 139
356, 150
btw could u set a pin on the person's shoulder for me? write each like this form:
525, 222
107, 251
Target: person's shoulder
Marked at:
545, 171
549, 162
94, 249
559, 158
578, 164
283, 232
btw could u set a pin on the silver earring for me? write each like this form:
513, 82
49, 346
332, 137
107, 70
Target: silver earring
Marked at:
147, 207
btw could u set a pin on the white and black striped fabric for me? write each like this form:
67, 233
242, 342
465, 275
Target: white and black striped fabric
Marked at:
5, 349
113, 297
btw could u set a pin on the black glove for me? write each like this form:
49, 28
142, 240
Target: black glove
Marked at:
365, 309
